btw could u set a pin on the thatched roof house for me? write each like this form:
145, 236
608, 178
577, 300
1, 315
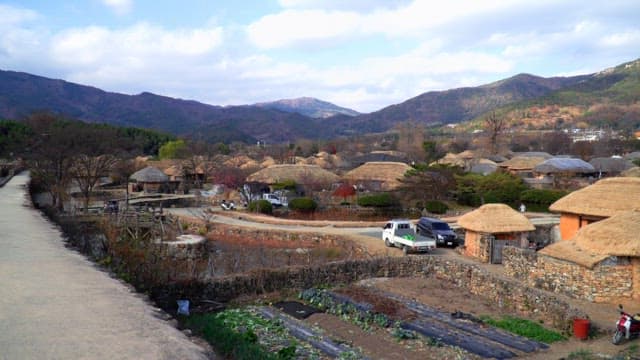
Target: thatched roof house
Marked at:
564, 165
484, 167
149, 179
378, 176
611, 165
492, 226
301, 174
537, 154
605, 198
600, 263
615, 236
521, 164
633, 172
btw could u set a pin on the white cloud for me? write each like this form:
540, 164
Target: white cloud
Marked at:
120, 7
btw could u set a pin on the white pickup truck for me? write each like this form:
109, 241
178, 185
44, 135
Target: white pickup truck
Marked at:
402, 234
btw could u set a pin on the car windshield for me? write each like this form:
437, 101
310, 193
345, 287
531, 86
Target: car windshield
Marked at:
441, 226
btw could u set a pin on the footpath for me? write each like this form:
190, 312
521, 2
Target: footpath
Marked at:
55, 304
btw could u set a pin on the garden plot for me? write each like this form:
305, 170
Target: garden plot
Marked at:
474, 337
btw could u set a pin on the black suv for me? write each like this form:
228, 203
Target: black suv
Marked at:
439, 230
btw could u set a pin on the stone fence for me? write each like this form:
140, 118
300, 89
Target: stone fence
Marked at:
503, 292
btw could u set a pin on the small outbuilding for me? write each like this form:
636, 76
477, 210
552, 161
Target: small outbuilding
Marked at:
610, 166
600, 263
378, 176
521, 165
490, 228
150, 179
605, 198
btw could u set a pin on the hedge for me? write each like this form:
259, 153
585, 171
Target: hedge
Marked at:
436, 207
303, 204
378, 200
261, 206
542, 197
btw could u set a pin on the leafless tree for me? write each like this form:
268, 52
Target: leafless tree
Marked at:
495, 126
87, 171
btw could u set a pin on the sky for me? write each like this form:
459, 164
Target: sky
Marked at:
361, 54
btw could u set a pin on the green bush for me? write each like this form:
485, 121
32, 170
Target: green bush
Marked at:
476, 189
261, 206
285, 185
542, 197
303, 204
378, 200
436, 207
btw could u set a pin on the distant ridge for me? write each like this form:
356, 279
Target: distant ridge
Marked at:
608, 98
308, 106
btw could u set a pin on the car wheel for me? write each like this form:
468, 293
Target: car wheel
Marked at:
405, 250
387, 242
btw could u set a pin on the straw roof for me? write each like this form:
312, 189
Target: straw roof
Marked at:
238, 161
149, 174
560, 165
173, 170
522, 162
570, 251
611, 164
633, 155
268, 161
495, 219
386, 172
542, 154
615, 236
605, 198
451, 159
301, 174
633, 172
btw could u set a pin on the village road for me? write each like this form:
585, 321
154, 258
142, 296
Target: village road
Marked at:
54, 304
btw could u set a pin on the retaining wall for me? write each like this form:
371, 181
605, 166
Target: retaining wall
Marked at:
505, 293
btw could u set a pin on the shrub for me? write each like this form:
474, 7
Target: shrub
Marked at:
285, 185
436, 207
378, 200
476, 189
542, 197
303, 204
261, 206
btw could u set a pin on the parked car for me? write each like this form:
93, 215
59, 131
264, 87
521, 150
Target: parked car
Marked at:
439, 230
402, 234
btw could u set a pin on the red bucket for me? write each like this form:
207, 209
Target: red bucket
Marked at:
581, 328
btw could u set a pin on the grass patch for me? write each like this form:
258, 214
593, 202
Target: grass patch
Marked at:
526, 328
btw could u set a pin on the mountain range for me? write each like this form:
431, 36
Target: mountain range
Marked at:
308, 106
286, 120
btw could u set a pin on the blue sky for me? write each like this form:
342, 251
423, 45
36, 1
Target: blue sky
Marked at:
362, 54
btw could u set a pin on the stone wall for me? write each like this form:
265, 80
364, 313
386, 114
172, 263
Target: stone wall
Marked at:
608, 281
505, 293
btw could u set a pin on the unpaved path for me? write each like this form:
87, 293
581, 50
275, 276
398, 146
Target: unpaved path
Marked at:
54, 304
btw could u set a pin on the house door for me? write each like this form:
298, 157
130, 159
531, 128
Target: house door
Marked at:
496, 250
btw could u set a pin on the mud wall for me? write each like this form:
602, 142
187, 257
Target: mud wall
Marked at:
504, 292
608, 281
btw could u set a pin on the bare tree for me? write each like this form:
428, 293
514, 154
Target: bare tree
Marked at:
87, 171
495, 126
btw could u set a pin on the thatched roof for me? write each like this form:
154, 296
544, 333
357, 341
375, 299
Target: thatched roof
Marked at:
615, 236
541, 154
451, 159
522, 162
375, 157
495, 219
605, 198
301, 174
173, 170
386, 172
633, 172
568, 250
633, 155
564, 165
484, 168
611, 164
267, 161
149, 174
